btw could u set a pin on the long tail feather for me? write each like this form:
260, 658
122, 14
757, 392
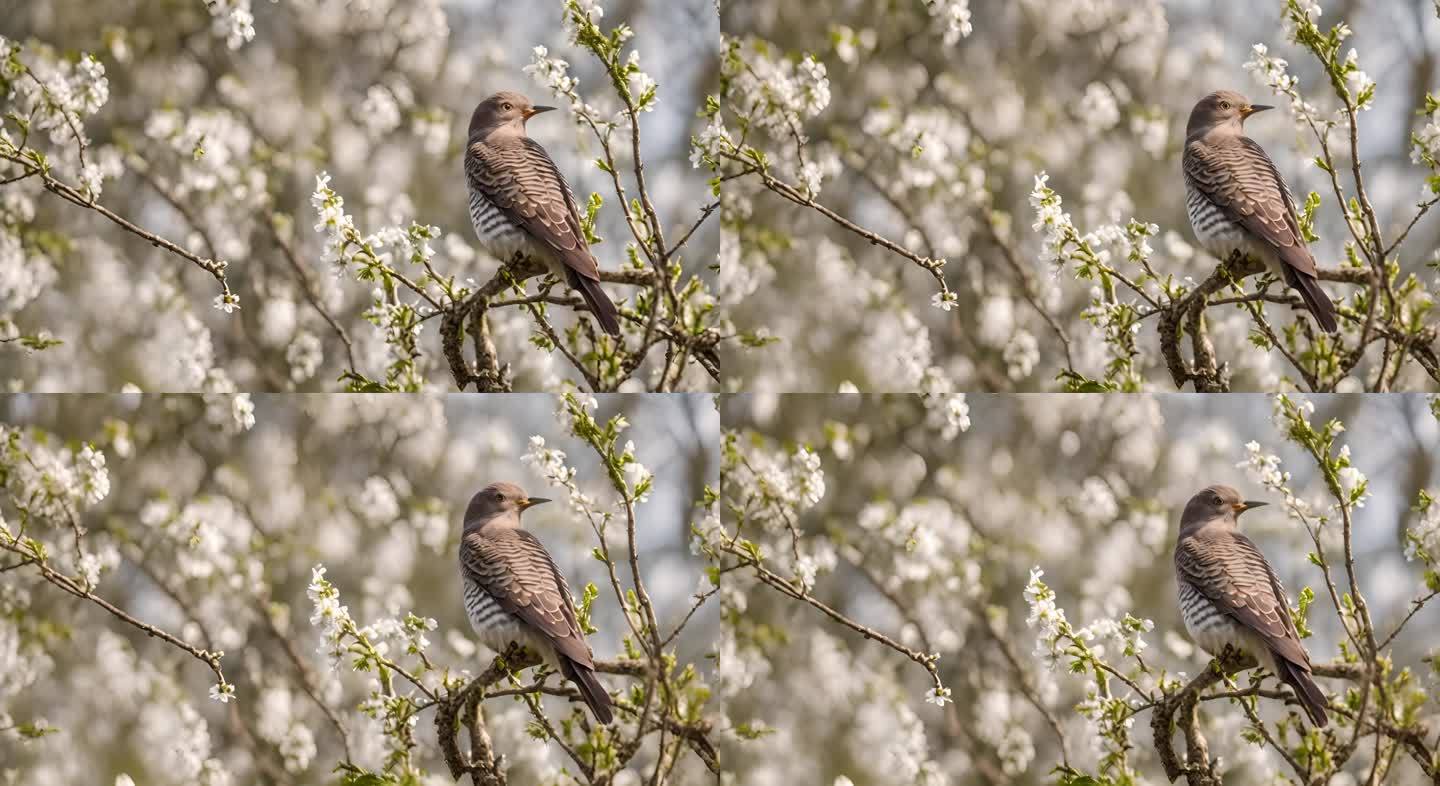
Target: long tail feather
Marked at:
598, 302
1309, 694
1317, 301
590, 689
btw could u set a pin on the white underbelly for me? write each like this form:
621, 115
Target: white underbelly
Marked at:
1213, 630
500, 237
1215, 638
1222, 237
497, 628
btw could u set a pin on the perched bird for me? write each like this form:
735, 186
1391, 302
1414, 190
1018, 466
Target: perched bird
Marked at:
521, 204
1230, 596
1237, 200
514, 592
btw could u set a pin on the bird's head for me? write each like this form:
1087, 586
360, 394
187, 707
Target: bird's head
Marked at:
1223, 107
501, 503
1215, 503
505, 108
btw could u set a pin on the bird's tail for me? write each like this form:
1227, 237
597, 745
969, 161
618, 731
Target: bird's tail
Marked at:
590, 688
1309, 694
1317, 301
598, 302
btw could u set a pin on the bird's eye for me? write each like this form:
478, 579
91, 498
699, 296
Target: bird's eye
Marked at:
508, 107
1214, 499
499, 496
1223, 105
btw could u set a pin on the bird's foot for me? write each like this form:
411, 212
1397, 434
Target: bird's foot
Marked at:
1267, 280
1239, 264
1232, 660
516, 656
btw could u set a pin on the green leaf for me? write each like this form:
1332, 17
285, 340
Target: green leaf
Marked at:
366, 779
747, 732
31, 731
1301, 614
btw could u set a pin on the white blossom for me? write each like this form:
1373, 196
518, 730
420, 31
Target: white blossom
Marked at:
380, 111
1423, 539
1263, 468
1021, 355
242, 411
1098, 108
956, 16
305, 354
228, 303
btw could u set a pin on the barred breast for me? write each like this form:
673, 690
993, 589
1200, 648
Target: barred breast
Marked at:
1210, 627
1220, 236
496, 626
1215, 231
502, 238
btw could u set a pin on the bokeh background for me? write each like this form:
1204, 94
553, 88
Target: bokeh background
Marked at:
927, 131
373, 487
378, 94
924, 539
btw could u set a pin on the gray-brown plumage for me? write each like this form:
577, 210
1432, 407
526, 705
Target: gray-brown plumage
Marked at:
521, 204
1229, 596
514, 592
1237, 200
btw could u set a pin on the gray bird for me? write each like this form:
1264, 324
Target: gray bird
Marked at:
1230, 596
521, 204
1237, 200
514, 592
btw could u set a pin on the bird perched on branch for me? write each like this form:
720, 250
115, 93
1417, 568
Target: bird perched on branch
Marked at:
1229, 595
520, 204
1237, 200
514, 592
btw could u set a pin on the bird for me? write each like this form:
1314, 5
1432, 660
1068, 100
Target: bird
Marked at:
520, 204
1229, 595
514, 593
1237, 201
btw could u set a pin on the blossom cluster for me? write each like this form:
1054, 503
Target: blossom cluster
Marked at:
775, 95
956, 16
1422, 540
53, 484
378, 258
234, 20
53, 93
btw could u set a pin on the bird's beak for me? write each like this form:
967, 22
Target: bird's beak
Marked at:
535, 110
1252, 109
530, 502
1241, 507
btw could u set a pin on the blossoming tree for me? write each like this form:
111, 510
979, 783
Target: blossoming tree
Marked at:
990, 195
220, 196
191, 598
981, 591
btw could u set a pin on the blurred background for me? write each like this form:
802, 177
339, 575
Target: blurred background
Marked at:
214, 529
378, 94
927, 131
926, 539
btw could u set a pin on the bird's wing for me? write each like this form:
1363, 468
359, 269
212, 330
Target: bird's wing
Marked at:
1234, 575
1243, 182
519, 178
517, 571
